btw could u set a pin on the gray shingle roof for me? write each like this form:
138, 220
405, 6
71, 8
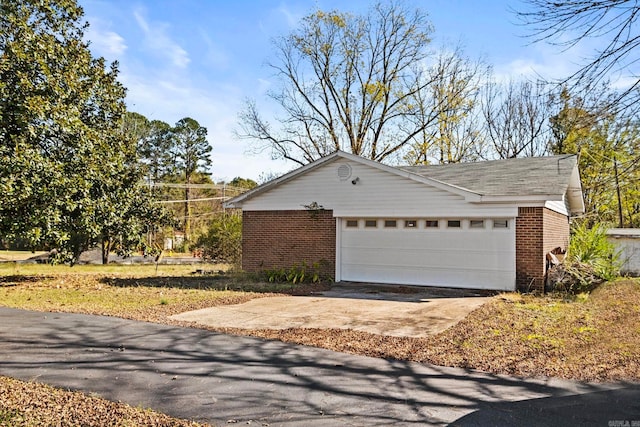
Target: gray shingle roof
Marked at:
509, 177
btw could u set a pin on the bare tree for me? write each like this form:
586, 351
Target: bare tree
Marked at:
516, 117
455, 134
567, 23
346, 82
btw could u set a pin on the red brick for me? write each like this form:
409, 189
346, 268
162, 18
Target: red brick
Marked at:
275, 239
538, 231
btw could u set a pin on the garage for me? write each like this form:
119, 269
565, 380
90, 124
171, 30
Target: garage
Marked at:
464, 253
483, 225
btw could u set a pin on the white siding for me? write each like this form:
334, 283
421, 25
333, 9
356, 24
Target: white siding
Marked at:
627, 242
629, 255
560, 206
376, 193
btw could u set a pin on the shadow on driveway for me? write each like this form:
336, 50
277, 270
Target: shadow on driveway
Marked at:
403, 293
619, 408
197, 374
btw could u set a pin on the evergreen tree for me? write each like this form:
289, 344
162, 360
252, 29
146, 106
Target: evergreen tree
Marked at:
66, 167
191, 154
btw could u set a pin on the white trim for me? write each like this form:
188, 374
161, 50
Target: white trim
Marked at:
573, 194
560, 208
236, 202
338, 249
519, 199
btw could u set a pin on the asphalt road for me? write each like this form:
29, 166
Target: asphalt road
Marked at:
205, 376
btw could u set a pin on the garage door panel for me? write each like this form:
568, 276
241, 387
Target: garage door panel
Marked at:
426, 258
420, 239
459, 278
466, 258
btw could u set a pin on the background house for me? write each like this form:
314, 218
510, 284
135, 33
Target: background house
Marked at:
627, 242
485, 225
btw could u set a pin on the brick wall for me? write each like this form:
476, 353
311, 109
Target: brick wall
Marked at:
556, 230
274, 239
538, 230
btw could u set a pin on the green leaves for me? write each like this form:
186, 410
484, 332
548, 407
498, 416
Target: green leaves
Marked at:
191, 150
223, 240
608, 144
66, 168
591, 246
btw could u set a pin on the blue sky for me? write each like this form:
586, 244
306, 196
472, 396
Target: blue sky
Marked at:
203, 58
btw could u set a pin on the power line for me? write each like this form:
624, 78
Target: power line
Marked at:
196, 186
192, 200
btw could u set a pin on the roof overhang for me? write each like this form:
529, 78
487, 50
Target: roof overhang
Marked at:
628, 233
521, 199
574, 194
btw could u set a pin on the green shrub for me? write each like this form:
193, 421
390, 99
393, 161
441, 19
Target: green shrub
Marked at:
591, 260
223, 240
591, 246
294, 274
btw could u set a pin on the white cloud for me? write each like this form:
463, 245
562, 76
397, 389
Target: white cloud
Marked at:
105, 42
157, 39
282, 19
215, 107
539, 61
215, 55
291, 18
624, 82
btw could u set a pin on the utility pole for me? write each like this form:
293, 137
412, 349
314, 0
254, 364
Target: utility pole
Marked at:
615, 171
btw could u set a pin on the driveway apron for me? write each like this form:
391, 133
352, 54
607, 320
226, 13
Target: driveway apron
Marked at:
216, 378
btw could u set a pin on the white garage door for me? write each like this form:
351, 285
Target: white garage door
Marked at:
461, 253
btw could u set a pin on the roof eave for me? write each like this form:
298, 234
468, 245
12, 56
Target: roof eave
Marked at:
521, 199
574, 193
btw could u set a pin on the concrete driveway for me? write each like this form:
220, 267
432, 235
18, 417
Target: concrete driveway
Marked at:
401, 311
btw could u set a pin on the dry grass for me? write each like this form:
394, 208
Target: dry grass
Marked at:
136, 270
132, 292
594, 338
127, 297
589, 338
32, 404
6, 255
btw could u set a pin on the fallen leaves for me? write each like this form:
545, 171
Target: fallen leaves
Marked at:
594, 338
30, 404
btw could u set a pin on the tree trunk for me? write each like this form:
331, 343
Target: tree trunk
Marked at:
105, 246
615, 171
